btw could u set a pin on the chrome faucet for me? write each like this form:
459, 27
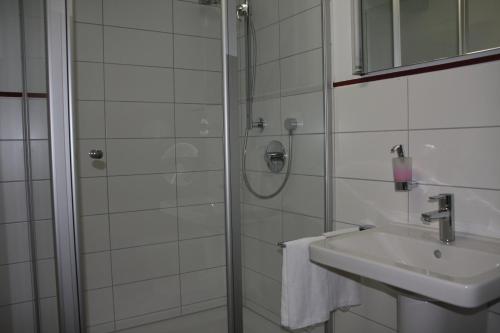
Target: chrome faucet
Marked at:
445, 215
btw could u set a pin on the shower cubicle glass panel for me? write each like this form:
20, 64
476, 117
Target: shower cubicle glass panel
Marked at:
281, 57
150, 165
28, 292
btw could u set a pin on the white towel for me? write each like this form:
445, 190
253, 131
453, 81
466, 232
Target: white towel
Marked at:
310, 292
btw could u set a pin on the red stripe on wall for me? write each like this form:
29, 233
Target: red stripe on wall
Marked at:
431, 68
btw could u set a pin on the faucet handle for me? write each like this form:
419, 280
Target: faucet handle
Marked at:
445, 200
441, 196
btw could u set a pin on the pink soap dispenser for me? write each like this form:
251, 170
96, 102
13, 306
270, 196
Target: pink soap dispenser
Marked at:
402, 170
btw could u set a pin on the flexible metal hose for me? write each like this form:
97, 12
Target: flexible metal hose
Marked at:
252, 72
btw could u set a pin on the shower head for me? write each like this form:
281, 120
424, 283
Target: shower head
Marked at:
209, 2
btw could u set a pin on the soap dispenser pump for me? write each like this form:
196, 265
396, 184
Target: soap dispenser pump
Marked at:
402, 169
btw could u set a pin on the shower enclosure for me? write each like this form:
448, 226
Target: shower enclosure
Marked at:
134, 190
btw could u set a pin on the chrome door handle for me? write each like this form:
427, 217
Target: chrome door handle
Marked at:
96, 154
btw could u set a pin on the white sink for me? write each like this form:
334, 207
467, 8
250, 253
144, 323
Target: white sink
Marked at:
466, 274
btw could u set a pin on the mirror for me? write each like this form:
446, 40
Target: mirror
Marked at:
398, 33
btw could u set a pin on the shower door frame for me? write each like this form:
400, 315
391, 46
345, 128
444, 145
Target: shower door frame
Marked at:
59, 22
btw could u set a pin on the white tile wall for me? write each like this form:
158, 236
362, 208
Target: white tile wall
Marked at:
138, 83
149, 15
127, 46
448, 121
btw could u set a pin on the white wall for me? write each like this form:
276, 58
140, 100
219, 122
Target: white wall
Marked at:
448, 121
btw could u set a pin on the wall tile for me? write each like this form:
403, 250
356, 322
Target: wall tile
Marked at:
267, 81
213, 321
88, 167
127, 46
197, 120
199, 154
88, 42
263, 291
461, 97
452, 157
90, 85
15, 243
256, 148
146, 14
90, 119
39, 127
202, 253
16, 282
367, 155
307, 109
142, 228
11, 160
369, 202
138, 84
200, 188
292, 7
262, 257
93, 196
42, 200
11, 126
301, 32
379, 304
269, 110
203, 285
302, 73
139, 120
493, 322
348, 322
201, 221
141, 320
262, 223
145, 262
144, 297
268, 42
296, 226
99, 306
17, 318
265, 12
476, 211
96, 270
46, 278
13, 202
94, 233
88, 11
140, 156
300, 187
198, 87
308, 155
44, 239
265, 184
196, 20
128, 193
197, 53
40, 155
380, 105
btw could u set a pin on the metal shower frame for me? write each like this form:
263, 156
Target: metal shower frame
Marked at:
59, 22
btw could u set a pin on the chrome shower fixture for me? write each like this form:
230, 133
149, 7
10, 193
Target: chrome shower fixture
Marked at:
209, 2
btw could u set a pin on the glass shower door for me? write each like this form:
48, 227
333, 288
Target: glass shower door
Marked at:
150, 165
28, 289
281, 57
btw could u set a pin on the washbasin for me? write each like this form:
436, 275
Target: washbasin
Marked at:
465, 273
